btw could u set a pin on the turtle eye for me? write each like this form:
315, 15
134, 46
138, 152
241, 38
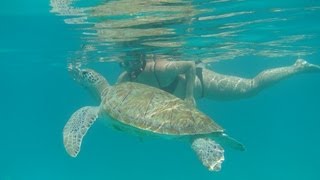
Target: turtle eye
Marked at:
85, 73
89, 76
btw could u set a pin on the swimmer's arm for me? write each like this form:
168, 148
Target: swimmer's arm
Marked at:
188, 68
123, 77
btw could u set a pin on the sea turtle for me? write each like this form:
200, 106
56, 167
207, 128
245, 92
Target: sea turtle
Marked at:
145, 110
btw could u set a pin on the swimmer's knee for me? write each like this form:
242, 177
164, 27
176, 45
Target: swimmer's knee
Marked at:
250, 87
253, 84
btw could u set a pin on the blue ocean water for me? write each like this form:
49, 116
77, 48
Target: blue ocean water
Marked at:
279, 126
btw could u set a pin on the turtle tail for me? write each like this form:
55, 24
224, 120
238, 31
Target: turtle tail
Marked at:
226, 140
77, 127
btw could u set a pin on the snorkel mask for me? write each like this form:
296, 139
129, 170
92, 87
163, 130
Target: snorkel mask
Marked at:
133, 66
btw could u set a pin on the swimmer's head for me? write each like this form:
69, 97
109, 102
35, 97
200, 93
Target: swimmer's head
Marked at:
133, 62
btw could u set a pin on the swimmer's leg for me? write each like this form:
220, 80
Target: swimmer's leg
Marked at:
272, 76
224, 87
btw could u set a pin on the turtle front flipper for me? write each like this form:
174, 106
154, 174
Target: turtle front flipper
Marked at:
209, 152
76, 128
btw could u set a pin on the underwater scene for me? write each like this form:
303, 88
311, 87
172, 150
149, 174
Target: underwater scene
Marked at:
159, 89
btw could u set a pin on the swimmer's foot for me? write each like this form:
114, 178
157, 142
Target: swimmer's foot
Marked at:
303, 66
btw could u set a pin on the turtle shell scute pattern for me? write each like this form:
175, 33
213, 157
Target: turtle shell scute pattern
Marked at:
151, 109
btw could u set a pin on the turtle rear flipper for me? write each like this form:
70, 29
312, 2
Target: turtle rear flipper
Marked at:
76, 128
209, 152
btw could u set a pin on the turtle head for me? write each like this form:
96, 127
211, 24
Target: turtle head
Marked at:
89, 79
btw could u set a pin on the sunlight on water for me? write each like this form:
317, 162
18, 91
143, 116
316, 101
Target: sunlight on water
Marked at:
41, 40
192, 30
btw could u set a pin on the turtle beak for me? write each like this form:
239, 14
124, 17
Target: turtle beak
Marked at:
75, 72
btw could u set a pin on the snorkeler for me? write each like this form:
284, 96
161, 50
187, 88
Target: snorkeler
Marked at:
162, 74
187, 81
